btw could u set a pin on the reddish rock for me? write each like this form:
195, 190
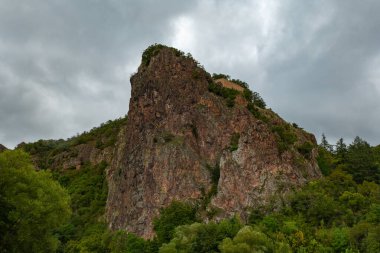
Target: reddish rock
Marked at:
176, 131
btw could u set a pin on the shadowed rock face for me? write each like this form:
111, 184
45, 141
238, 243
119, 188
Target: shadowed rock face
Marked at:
176, 131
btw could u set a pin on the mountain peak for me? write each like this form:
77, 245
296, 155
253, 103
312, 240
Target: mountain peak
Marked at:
183, 129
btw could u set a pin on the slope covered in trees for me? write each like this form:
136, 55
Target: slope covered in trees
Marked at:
338, 213
55, 201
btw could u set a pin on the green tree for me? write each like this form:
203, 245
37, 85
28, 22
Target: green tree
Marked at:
33, 205
325, 144
124, 242
177, 213
198, 237
325, 161
361, 162
250, 240
258, 100
341, 151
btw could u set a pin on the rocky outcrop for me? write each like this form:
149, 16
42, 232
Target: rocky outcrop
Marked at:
179, 136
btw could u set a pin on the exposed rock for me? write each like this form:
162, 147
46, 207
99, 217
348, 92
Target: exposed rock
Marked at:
178, 132
229, 84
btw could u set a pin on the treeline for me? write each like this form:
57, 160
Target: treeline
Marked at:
101, 137
337, 213
358, 159
63, 211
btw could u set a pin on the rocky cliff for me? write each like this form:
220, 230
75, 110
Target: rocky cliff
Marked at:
184, 142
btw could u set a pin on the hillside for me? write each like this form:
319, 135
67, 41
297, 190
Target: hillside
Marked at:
91, 147
187, 138
196, 166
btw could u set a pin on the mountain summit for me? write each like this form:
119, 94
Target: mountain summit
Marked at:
190, 138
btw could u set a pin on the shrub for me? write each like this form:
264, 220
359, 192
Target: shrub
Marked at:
305, 149
154, 49
285, 135
234, 141
219, 76
151, 51
177, 213
228, 94
198, 237
258, 100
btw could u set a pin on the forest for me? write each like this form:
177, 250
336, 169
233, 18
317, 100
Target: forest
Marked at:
62, 211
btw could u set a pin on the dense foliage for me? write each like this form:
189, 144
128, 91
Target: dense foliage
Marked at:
32, 204
199, 237
176, 214
337, 213
332, 214
358, 159
101, 137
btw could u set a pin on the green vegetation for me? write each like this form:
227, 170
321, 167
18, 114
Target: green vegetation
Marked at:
88, 190
305, 149
216, 76
332, 214
256, 112
154, 49
253, 98
251, 240
86, 230
337, 213
234, 142
226, 93
101, 137
206, 196
151, 51
358, 159
177, 213
285, 136
199, 237
32, 204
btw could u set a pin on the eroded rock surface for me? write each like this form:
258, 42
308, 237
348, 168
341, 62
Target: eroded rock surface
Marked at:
178, 132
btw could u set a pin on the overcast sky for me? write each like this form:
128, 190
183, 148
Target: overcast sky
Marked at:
65, 64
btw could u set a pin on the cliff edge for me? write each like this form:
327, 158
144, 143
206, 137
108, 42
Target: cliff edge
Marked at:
185, 141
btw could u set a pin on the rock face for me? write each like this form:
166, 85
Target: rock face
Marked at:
178, 135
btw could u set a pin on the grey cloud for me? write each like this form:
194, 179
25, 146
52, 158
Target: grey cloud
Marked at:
65, 65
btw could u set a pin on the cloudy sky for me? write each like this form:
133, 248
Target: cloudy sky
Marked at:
65, 64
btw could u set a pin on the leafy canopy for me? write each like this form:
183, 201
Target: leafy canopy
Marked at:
32, 204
